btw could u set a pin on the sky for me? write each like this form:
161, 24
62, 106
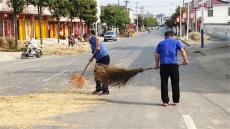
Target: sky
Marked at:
152, 6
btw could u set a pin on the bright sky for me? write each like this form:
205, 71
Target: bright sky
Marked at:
152, 6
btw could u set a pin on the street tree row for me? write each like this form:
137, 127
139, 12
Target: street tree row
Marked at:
83, 9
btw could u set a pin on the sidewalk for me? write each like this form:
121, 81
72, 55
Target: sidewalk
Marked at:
9, 56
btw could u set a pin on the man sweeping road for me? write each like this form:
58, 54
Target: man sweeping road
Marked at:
166, 60
101, 54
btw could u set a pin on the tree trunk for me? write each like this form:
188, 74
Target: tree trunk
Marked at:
72, 28
40, 24
58, 30
81, 29
15, 30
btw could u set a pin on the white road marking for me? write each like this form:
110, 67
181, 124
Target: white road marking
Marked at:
55, 75
189, 122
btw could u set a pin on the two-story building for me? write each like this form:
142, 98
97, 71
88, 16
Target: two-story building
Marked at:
216, 18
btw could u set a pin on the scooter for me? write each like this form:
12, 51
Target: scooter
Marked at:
27, 52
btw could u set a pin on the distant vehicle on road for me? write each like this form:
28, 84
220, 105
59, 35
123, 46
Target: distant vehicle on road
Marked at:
30, 52
110, 35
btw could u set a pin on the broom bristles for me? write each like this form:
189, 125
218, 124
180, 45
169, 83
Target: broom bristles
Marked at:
77, 81
115, 76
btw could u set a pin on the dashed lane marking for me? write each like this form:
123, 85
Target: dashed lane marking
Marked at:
189, 122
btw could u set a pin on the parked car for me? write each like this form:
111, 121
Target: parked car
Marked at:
110, 35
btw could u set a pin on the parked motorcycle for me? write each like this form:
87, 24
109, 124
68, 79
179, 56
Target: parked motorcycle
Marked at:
31, 52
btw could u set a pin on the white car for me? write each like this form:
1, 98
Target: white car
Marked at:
110, 35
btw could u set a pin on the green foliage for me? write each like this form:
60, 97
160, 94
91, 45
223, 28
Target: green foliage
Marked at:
8, 42
17, 6
114, 15
141, 21
150, 22
74, 8
39, 3
88, 11
172, 21
59, 8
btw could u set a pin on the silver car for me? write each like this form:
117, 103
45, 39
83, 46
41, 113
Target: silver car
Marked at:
110, 35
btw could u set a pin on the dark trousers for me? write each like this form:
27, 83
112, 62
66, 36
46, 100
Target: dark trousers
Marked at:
99, 86
172, 71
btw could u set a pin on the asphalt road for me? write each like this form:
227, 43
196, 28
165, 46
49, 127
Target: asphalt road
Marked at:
205, 88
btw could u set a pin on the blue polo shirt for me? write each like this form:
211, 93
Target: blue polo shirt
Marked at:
167, 50
103, 49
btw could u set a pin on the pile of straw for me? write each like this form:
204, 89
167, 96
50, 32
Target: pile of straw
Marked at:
115, 76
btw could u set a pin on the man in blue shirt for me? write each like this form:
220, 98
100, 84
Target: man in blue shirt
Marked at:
101, 54
166, 60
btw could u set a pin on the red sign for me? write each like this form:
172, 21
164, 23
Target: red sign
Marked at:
184, 15
178, 19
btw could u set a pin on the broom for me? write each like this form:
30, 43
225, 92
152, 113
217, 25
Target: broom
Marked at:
78, 80
116, 76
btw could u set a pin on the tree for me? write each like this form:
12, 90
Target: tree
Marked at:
73, 11
172, 21
87, 11
150, 22
108, 15
116, 16
59, 8
40, 4
17, 8
122, 18
140, 21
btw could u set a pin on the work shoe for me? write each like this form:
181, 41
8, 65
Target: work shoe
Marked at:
105, 93
175, 104
165, 104
96, 92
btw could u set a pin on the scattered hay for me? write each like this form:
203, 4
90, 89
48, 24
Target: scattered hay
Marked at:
194, 36
62, 49
38, 109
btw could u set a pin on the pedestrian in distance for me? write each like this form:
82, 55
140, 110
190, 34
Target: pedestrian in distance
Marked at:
101, 54
166, 60
71, 40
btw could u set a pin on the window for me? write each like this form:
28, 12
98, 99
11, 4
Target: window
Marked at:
228, 11
210, 13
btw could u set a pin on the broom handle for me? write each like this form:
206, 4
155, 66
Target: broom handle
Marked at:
88, 64
158, 68
85, 68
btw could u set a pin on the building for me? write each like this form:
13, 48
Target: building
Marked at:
161, 19
216, 18
28, 23
132, 16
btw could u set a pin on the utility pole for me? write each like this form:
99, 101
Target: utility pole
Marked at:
137, 17
202, 24
126, 4
118, 2
180, 22
142, 12
188, 16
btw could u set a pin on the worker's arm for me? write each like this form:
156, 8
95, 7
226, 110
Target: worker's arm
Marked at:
97, 44
184, 56
97, 49
157, 60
